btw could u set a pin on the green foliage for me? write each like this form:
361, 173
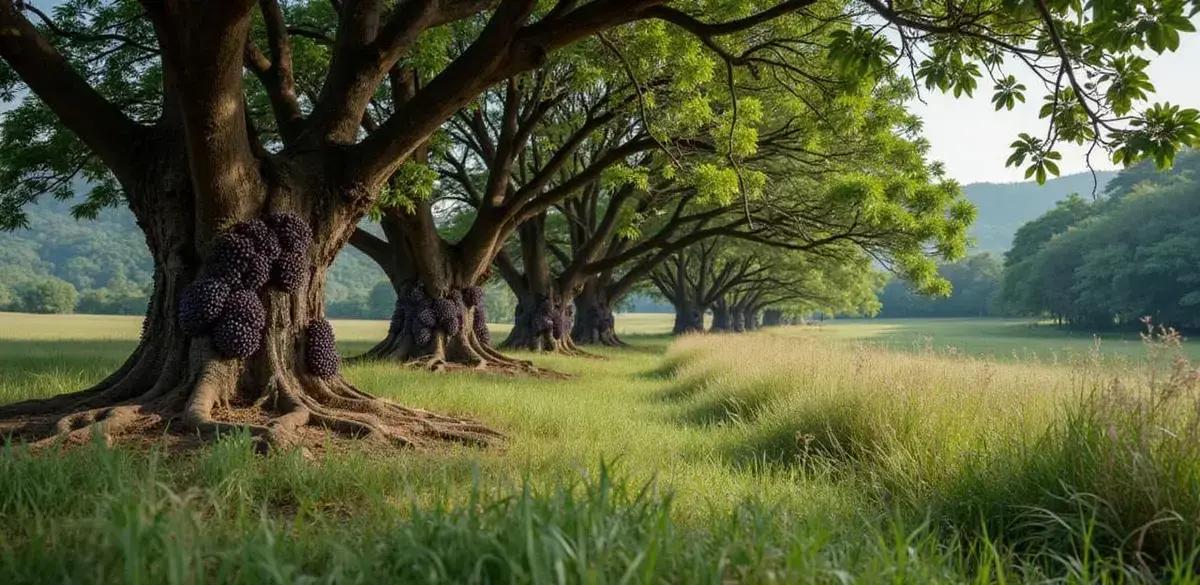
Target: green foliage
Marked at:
1115, 261
45, 295
1158, 135
1008, 93
411, 183
38, 156
860, 54
974, 281
1042, 160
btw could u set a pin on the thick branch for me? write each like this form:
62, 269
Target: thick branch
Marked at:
99, 123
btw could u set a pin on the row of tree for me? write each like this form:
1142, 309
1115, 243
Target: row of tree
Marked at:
573, 148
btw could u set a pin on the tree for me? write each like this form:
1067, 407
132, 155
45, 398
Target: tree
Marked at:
47, 295
1124, 258
151, 99
974, 283
219, 194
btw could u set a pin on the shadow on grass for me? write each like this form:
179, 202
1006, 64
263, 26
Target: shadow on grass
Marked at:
746, 405
830, 438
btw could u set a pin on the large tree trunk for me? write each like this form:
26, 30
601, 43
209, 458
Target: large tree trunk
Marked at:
544, 315
264, 363
750, 319
689, 318
542, 322
722, 317
439, 320
595, 323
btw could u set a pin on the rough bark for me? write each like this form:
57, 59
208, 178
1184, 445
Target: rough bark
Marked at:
722, 318
689, 318
440, 321
186, 384
545, 313
749, 319
595, 323
542, 322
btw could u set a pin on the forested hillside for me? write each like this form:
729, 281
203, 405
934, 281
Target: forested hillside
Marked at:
1004, 207
59, 264
1113, 262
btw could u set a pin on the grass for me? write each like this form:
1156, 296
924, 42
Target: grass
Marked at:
1020, 340
799, 455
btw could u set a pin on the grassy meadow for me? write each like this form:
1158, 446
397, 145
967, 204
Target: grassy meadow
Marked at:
853, 452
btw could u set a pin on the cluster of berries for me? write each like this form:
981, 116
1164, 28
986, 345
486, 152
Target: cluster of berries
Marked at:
420, 315
321, 354
547, 317
225, 303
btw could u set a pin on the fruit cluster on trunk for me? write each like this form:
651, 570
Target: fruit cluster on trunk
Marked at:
542, 322
225, 303
440, 331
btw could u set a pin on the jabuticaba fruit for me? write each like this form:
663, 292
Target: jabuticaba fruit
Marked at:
427, 318
321, 354
473, 296
233, 338
201, 304
257, 273
294, 234
446, 312
231, 255
287, 273
479, 324
265, 240
244, 306
423, 335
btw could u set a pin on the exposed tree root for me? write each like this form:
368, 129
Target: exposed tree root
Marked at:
290, 411
461, 352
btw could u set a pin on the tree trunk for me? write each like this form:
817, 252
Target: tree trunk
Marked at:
750, 319
542, 322
440, 320
689, 318
544, 315
228, 347
595, 323
772, 318
722, 318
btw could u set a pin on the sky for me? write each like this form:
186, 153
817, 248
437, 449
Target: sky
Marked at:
972, 138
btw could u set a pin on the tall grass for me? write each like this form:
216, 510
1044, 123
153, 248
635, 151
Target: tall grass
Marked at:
753, 458
1087, 472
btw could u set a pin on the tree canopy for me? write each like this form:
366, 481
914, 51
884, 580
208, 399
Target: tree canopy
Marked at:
1114, 261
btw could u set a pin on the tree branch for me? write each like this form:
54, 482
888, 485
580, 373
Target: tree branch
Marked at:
100, 124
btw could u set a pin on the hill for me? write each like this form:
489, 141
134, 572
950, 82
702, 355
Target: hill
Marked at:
1004, 207
106, 262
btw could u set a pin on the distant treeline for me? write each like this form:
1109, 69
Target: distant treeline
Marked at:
1131, 254
976, 286
101, 266
1092, 263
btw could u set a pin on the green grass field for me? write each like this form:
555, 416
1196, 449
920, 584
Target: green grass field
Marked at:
803, 454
